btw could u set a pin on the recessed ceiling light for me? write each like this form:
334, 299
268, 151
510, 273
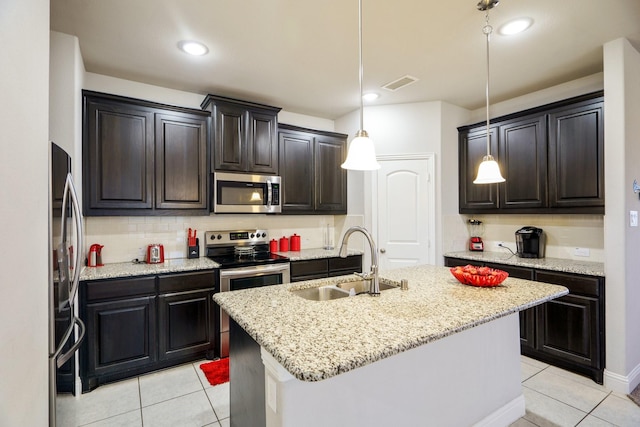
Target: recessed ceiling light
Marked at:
371, 96
516, 26
193, 48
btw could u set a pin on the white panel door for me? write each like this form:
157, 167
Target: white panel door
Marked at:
405, 212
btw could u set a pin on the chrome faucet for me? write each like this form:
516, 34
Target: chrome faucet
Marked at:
374, 289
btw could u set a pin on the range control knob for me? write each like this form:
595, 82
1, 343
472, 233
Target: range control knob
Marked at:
219, 236
264, 234
253, 235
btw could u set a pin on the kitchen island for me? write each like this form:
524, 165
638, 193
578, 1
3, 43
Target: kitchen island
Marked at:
440, 353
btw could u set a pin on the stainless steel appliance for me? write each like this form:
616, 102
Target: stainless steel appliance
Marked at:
246, 193
66, 247
530, 242
245, 262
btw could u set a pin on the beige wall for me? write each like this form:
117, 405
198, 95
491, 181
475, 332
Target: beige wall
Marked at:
24, 112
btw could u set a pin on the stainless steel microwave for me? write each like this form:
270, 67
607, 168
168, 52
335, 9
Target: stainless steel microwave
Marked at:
246, 193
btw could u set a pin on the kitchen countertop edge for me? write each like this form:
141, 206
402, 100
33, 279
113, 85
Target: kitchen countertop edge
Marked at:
589, 268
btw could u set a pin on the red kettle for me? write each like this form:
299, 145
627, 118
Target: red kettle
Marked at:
95, 255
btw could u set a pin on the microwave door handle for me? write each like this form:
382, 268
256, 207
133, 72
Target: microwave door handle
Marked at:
269, 194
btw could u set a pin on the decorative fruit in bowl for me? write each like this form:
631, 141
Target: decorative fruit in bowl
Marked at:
479, 276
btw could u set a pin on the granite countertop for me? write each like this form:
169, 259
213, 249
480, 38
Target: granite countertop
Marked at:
315, 340
131, 269
555, 264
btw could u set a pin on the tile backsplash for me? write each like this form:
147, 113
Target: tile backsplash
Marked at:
564, 233
126, 238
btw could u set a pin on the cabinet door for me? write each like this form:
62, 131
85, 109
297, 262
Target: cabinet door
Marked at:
185, 324
262, 143
523, 162
296, 164
229, 137
121, 335
330, 179
568, 329
309, 269
181, 161
472, 148
576, 156
118, 144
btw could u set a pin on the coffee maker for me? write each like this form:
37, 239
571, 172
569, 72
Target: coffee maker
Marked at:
530, 242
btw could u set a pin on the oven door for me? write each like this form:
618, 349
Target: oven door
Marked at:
233, 279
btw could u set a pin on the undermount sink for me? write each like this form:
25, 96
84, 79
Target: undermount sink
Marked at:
339, 290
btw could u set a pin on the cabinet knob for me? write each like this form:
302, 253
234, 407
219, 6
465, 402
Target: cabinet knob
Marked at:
383, 250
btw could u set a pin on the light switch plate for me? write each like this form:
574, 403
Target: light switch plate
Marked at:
633, 218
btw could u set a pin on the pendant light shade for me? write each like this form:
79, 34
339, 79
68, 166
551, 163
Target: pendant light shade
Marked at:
489, 170
362, 153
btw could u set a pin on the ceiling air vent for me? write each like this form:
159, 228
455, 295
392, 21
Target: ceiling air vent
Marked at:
401, 82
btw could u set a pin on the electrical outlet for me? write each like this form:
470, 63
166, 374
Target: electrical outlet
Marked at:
633, 218
499, 244
581, 252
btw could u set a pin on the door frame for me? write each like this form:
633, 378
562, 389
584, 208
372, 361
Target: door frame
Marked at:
431, 195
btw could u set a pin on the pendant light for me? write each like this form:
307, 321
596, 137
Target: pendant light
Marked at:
488, 171
362, 153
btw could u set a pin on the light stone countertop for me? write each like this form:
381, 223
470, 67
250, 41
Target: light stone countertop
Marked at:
315, 340
131, 269
555, 264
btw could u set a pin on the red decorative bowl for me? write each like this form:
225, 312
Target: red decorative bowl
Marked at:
479, 276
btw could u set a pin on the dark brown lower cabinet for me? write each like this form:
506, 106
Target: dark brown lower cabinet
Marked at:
132, 328
325, 267
567, 332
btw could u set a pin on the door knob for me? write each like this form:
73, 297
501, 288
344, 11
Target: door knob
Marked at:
383, 250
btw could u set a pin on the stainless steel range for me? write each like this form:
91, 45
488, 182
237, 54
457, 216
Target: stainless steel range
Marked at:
245, 262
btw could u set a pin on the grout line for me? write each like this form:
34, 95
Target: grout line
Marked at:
140, 399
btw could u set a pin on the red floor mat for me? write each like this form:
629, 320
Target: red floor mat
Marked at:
217, 372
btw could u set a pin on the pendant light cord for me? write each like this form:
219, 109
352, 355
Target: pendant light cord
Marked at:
361, 71
487, 30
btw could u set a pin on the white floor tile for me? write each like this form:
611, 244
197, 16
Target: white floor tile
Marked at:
566, 389
188, 410
617, 410
534, 362
577, 378
591, 421
168, 384
219, 398
128, 419
201, 375
522, 423
102, 403
545, 411
527, 371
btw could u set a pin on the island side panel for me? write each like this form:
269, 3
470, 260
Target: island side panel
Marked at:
469, 378
246, 374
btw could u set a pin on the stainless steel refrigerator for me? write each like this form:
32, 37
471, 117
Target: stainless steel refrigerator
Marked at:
66, 246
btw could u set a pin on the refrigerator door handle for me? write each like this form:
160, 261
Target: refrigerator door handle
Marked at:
79, 237
61, 358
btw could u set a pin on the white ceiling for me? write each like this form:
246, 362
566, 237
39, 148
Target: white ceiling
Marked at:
302, 55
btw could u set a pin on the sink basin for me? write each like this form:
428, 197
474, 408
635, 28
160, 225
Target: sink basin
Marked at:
340, 290
362, 286
323, 293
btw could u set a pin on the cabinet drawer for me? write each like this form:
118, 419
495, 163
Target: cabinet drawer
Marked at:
350, 263
309, 267
584, 285
186, 281
120, 288
517, 272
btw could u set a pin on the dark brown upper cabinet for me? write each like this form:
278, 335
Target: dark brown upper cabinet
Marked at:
312, 180
143, 158
244, 135
551, 158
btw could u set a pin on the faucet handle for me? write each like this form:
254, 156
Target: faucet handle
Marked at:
364, 276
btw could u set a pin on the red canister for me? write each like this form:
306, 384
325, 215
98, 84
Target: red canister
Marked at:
284, 244
295, 242
273, 246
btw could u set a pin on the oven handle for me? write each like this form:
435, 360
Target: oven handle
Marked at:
269, 194
262, 269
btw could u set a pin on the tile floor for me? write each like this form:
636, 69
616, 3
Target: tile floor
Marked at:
182, 396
